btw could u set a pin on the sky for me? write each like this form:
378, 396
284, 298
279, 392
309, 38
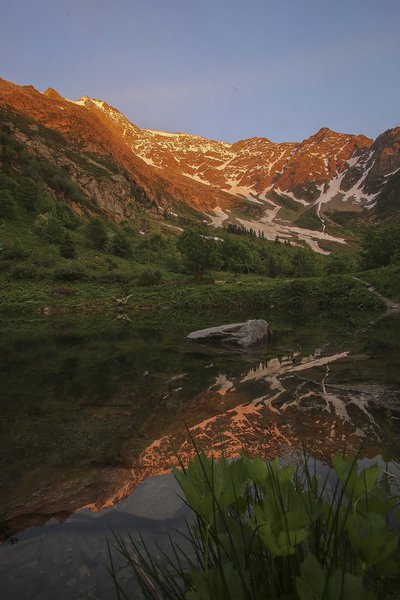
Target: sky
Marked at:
223, 69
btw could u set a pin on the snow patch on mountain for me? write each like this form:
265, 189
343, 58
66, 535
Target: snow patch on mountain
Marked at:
355, 195
241, 190
148, 161
219, 217
197, 178
290, 195
271, 230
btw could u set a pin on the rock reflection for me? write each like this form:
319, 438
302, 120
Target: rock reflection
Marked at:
295, 410
86, 431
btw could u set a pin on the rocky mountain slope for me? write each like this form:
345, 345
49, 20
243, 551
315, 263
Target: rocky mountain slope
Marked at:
89, 183
287, 189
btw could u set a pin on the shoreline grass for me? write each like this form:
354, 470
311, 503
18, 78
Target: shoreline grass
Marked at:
331, 295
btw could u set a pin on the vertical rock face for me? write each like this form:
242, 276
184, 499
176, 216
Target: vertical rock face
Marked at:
373, 170
206, 174
384, 161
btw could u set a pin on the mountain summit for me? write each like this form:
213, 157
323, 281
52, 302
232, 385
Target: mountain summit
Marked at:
274, 183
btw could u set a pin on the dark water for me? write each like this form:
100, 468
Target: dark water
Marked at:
90, 407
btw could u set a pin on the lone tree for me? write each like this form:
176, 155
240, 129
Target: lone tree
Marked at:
199, 252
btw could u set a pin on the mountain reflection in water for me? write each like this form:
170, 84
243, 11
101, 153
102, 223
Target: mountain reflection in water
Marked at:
301, 404
90, 409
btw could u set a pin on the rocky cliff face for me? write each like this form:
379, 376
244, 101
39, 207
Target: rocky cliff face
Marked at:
89, 183
327, 170
369, 172
384, 161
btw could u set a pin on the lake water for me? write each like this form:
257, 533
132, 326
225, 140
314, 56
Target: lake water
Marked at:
93, 406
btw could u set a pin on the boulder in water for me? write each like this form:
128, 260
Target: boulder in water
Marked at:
245, 334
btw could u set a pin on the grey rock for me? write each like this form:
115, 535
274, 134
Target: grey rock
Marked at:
240, 334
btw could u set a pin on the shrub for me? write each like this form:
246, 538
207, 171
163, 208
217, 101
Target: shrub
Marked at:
149, 278
7, 204
121, 245
172, 259
26, 271
14, 251
115, 277
70, 272
45, 203
48, 227
6, 182
381, 246
339, 264
26, 193
45, 257
66, 216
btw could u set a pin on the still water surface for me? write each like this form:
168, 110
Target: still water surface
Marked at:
91, 407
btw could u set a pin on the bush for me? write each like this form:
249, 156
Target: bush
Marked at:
339, 264
45, 203
26, 193
70, 272
66, 216
8, 205
115, 277
13, 251
6, 182
149, 278
381, 246
121, 245
26, 271
240, 256
172, 260
48, 227
45, 257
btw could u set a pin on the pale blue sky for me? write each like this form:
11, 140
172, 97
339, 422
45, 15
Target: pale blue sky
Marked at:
224, 69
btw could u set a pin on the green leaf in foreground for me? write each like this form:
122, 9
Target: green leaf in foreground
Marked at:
370, 538
315, 583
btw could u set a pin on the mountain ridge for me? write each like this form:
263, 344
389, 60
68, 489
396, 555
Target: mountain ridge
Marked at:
273, 182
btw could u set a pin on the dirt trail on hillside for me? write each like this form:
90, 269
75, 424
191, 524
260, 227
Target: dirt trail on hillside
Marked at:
391, 306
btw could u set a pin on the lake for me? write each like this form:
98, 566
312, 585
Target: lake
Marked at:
93, 406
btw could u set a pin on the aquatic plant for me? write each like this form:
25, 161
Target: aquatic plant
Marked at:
264, 530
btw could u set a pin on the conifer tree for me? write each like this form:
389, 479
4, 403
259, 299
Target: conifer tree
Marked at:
67, 248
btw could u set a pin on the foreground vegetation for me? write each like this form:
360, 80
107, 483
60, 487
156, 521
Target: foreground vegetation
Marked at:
261, 530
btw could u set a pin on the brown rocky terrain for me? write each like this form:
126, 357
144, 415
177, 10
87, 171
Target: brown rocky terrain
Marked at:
181, 169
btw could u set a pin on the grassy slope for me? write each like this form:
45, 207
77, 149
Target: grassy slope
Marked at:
386, 280
29, 285
339, 296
